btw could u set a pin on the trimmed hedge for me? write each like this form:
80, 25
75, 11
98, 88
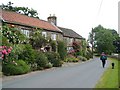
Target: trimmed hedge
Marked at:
15, 69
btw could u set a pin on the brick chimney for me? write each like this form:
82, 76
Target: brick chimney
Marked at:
52, 19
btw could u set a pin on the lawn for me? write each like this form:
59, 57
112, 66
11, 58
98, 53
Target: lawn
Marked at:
110, 77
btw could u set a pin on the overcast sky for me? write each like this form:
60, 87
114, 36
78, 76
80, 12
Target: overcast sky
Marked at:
79, 15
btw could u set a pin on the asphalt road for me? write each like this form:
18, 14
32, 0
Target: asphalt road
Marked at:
83, 75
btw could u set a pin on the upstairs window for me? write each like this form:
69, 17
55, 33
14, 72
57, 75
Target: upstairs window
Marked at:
53, 36
44, 34
26, 32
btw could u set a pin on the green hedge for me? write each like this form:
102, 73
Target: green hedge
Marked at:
15, 69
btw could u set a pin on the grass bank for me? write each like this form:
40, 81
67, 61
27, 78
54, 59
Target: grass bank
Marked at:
110, 77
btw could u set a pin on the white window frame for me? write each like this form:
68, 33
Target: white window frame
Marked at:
44, 34
71, 40
54, 36
26, 32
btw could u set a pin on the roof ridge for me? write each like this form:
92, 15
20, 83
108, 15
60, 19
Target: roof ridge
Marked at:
64, 28
69, 31
24, 15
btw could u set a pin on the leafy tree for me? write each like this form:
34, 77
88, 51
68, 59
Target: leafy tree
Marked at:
8, 6
22, 10
103, 39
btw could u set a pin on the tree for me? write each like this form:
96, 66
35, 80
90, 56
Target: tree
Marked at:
22, 10
8, 6
103, 39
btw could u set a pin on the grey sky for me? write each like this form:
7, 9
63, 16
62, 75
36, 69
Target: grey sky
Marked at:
79, 15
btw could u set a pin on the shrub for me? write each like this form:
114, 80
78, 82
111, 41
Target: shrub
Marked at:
41, 60
75, 60
71, 59
76, 53
54, 59
13, 35
33, 67
4, 41
37, 40
53, 45
28, 54
82, 58
88, 55
16, 51
16, 68
76, 45
62, 50
49, 65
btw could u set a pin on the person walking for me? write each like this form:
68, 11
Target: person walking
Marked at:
103, 58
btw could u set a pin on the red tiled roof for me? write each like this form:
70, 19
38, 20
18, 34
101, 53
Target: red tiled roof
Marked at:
13, 17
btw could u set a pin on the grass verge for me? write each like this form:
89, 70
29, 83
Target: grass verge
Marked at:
110, 78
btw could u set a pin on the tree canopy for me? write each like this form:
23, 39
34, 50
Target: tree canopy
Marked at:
22, 10
103, 39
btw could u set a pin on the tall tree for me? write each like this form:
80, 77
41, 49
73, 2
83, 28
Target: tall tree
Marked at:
103, 39
22, 10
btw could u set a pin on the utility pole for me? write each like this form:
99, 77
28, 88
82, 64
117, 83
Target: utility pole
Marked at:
92, 42
119, 36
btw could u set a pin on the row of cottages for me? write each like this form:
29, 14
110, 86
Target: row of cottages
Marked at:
49, 28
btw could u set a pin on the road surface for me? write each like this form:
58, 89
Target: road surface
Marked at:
82, 75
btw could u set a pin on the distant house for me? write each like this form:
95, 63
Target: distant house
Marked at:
28, 24
69, 35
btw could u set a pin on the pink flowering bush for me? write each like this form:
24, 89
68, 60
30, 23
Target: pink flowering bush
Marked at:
4, 52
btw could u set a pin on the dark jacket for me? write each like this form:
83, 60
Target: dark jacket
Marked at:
103, 57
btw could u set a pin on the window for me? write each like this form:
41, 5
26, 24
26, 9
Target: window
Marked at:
68, 40
44, 34
71, 40
26, 32
53, 36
